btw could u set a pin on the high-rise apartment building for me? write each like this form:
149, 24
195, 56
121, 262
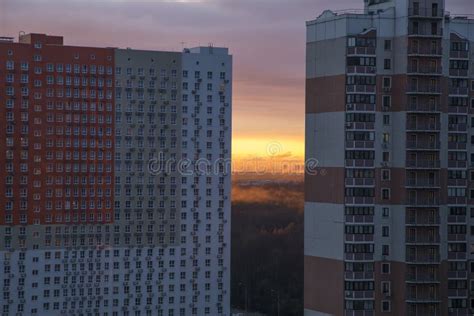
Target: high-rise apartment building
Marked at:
114, 191
389, 217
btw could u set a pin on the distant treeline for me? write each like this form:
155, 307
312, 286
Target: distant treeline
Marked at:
267, 248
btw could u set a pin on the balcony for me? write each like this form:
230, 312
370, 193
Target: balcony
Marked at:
457, 255
462, 127
359, 144
425, 278
422, 183
457, 146
359, 313
426, 32
423, 259
456, 109
423, 107
462, 91
360, 89
423, 145
423, 299
424, 70
425, 13
360, 51
424, 89
423, 164
423, 239
456, 237
423, 201
359, 256
359, 200
461, 54
423, 127
423, 220
463, 73
359, 294
360, 182
457, 164
457, 200
361, 69
350, 275
359, 219
425, 50
360, 107
360, 125
456, 219
457, 275
457, 293
359, 238
362, 163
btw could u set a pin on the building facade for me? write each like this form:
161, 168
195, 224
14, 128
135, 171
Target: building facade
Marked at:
390, 119
116, 190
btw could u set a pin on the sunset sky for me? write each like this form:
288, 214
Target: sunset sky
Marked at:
266, 37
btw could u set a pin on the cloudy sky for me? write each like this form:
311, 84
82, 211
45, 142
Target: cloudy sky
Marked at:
266, 37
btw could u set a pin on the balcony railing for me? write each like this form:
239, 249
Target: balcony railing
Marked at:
424, 32
359, 182
423, 126
424, 70
424, 89
457, 146
359, 218
456, 109
358, 51
425, 50
361, 69
426, 183
458, 73
459, 54
423, 201
359, 163
360, 125
459, 91
423, 107
423, 164
423, 145
457, 200
360, 89
429, 13
422, 278
350, 275
423, 259
461, 127
423, 221
422, 239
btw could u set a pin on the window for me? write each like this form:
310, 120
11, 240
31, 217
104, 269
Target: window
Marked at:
386, 306
385, 174
385, 193
388, 45
386, 119
385, 250
387, 64
385, 231
385, 212
386, 102
385, 268
387, 82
